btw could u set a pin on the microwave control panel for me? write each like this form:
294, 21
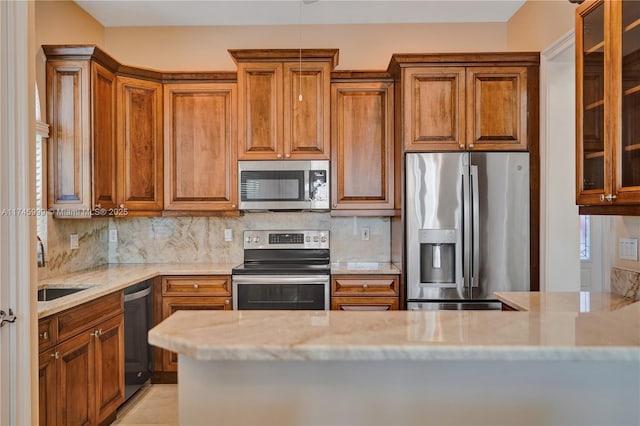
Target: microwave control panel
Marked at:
318, 185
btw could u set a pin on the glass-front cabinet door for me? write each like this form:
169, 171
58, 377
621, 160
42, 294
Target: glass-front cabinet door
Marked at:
593, 157
627, 153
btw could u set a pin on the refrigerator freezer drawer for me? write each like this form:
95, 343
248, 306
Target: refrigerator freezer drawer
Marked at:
452, 305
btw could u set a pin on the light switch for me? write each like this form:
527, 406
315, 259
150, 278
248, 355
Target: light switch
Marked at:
628, 249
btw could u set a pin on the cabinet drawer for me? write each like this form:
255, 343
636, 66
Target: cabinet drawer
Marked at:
364, 304
197, 286
370, 285
89, 314
47, 332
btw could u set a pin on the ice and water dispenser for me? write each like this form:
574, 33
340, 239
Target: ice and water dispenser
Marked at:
438, 256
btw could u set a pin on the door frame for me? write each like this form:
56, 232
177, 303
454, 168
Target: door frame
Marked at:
19, 361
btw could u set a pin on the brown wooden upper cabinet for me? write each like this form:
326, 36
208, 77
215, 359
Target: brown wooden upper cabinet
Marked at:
105, 148
467, 101
608, 107
465, 108
200, 150
284, 103
362, 153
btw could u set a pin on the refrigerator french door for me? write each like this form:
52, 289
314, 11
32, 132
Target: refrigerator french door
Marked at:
467, 219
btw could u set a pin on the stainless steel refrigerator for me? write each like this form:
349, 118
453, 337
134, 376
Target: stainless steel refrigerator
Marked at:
467, 228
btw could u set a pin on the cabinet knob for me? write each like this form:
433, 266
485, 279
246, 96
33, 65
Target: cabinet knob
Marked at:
98, 206
470, 146
461, 146
233, 206
279, 155
365, 285
226, 302
122, 206
287, 155
335, 206
196, 286
44, 335
97, 333
55, 355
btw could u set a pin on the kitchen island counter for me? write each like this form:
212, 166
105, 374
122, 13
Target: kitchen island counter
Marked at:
578, 301
402, 367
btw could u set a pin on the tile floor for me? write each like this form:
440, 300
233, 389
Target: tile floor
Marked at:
153, 405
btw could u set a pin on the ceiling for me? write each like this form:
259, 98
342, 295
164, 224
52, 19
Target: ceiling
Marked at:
126, 13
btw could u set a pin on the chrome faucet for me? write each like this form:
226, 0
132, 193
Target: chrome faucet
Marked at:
41, 262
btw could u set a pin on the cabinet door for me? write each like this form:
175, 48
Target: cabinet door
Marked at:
306, 115
47, 392
76, 381
109, 366
260, 111
69, 144
174, 304
593, 154
434, 108
103, 116
140, 144
627, 158
362, 152
200, 151
497, 108
364, 303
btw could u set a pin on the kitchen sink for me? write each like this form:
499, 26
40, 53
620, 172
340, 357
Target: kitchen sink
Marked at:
51, 293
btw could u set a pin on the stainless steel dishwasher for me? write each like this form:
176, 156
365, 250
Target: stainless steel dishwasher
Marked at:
137, 322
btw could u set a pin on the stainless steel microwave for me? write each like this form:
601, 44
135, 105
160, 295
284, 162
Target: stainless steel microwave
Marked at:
283, 185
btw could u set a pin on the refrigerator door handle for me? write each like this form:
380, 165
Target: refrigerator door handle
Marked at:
475, 220
466, 234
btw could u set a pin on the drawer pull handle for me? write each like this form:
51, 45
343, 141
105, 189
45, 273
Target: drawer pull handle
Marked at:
44, 335
196, 286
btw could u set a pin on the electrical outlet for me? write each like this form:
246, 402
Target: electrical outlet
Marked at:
364, 233
228, 234
113, 235
73, 241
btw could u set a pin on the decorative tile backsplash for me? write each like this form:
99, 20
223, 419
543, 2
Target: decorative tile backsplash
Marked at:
201, 239
625, 283
92, 248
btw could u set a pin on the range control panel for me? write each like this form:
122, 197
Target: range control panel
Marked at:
286, 239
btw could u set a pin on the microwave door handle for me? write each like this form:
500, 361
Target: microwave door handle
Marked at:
307, 182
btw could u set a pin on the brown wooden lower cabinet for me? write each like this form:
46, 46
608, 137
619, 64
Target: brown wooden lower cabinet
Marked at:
81, 377
179, 293
174, 304
364, 303
506, 307
365, 292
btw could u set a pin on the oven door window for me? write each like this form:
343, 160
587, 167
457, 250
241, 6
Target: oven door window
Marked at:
272, 185
281, 296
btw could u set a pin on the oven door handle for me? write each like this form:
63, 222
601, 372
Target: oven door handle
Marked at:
280, 279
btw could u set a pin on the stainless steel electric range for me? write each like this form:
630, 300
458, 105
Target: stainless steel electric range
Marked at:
283, 270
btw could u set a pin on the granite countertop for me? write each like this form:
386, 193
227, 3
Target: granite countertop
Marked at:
109, 278
402, 335
582, 301
369, 268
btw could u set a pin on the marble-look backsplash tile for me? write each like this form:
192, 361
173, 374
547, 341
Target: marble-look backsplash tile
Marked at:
625, 283
201, 239
92, 248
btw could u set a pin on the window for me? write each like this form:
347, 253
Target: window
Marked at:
585, 238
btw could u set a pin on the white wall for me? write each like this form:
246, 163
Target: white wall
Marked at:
559, 221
